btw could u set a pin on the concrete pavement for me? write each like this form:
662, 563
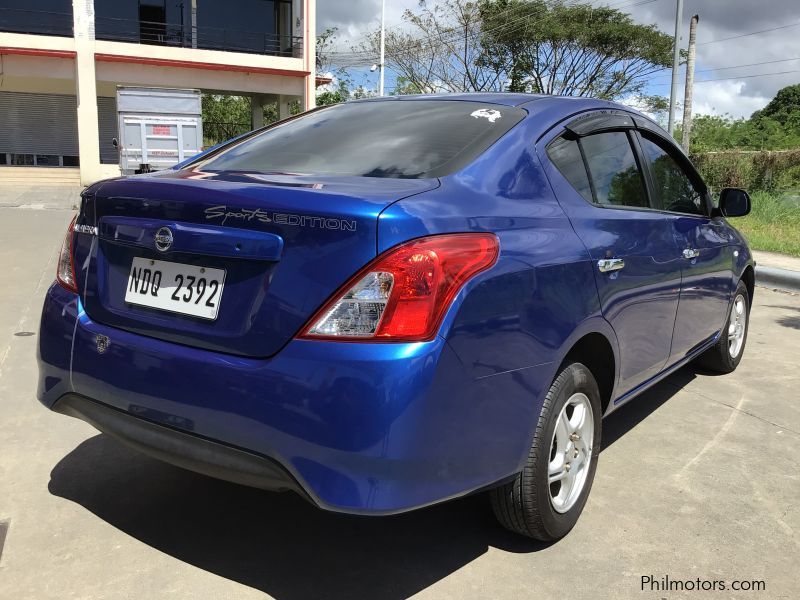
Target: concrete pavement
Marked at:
774, 260
699, 477
26, 196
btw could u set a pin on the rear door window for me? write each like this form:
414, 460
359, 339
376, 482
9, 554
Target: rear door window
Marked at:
395, 138
602, 167
614, 171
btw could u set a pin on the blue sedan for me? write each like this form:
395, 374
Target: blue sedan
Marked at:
388, 303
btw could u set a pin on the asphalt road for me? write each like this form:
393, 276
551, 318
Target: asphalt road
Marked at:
699, 478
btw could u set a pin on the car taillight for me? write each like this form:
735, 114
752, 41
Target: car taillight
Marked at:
404, 293
65, 275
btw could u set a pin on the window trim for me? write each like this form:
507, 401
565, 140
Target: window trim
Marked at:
600, 121
647, 173
586, 168
591, 122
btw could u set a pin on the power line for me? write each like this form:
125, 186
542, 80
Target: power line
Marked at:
354, 58
350, 59
755, 64
399, 25
625, 4
737, 78
736, 37
456, 35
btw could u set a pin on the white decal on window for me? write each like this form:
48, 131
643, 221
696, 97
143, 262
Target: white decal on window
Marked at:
487, 113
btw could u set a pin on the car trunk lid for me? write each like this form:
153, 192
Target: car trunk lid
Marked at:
281, 243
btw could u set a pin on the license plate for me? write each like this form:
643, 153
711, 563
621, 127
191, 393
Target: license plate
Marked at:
175, 287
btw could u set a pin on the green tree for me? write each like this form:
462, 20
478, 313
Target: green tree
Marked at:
775, 127
550, 47
783, 108
224, 117
325, 44
343, 89
438, 50
340, 94
404, 86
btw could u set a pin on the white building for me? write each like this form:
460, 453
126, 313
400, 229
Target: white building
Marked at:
61, 61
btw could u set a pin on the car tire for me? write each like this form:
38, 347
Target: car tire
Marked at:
726, 354
530, 504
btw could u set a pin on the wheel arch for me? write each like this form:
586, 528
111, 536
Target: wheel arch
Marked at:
749, 279
595, 351
594, 344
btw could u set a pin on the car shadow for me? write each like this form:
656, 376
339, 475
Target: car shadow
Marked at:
792, 322
639, 408
280, 544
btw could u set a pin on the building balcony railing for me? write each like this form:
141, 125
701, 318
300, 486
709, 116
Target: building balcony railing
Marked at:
208, 38
180, 35
35, 22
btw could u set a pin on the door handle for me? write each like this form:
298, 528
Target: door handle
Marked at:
606, 265
690, 253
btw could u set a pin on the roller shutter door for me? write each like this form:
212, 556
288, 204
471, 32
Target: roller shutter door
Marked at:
38, 124
107, 121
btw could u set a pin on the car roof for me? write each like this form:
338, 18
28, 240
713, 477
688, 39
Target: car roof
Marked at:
536, 104
502, 98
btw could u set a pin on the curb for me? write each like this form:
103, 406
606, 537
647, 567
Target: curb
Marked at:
783, 279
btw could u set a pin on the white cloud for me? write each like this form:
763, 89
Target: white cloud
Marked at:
726, 97
718, 47
328, 87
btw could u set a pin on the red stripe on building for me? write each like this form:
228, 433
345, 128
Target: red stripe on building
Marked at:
187, 64
38, 52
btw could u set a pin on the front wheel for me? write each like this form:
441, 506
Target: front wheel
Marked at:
545, 500
725, 355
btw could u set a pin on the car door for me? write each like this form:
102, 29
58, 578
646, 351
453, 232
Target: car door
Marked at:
601, 186
707, 256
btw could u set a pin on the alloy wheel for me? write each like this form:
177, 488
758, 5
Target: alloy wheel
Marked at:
570, 452
736, 326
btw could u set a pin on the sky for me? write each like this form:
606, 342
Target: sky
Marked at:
735, 91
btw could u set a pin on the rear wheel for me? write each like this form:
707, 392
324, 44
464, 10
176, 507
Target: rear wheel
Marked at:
726, 354
545, 500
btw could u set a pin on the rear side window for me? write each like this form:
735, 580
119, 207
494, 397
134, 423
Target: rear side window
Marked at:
566, 156
613, 169
675, 189
404, 139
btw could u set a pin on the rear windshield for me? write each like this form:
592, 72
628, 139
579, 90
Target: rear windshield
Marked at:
404, 139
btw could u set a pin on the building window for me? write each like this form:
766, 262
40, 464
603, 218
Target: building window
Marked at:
71, 161
40, 17
48, 160
22, 160
283, 18
152, 22
3, 158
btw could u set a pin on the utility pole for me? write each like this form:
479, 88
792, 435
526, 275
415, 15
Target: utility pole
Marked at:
383, 45
687, 94
676, 57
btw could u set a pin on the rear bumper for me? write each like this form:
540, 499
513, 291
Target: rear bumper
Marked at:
357, 428
178, 448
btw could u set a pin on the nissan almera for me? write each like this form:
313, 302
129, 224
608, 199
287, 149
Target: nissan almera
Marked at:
389, 303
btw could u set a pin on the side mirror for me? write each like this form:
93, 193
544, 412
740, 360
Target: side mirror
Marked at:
734, 202
115, 143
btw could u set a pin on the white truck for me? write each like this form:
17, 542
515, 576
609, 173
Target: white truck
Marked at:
158, 128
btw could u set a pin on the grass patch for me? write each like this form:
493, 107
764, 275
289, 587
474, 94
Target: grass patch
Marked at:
774, 223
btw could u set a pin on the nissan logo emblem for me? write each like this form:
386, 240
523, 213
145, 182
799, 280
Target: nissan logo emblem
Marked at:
163, 239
